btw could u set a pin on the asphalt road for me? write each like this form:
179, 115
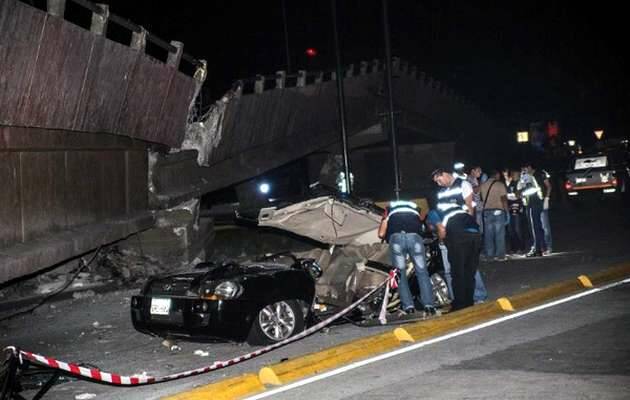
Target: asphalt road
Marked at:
575, 350
97, 330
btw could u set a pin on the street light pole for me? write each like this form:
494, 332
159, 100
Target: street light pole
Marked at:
390, 96
341, 99
286, 36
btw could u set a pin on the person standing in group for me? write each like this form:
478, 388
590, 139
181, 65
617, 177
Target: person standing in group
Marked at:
401, 227
544, 177
480, 294
532, 195
473, 178
517, 212
460, 233
495, 216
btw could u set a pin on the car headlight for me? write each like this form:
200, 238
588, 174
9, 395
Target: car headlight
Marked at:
228, 290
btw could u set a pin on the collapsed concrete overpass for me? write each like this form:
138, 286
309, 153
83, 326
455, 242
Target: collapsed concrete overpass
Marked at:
264, 123
94, 144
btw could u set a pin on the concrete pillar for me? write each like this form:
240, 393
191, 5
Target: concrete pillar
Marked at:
259, 84
404, 67
301, 78
413, 71
333, 76
99, 21
281, 79
350, 71
56, 8
423, 78
174, 58
319, 77
139, 40
363, 68
376, 65
395, 64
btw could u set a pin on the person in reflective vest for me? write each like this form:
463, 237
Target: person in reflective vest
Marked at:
480, 295
460, 232
401, 227
532, 195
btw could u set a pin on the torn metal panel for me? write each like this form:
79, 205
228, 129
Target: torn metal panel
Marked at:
325, 219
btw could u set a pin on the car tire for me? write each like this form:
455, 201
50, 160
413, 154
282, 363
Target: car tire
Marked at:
276, 322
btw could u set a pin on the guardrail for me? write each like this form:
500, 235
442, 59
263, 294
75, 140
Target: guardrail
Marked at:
101, 17
281, 80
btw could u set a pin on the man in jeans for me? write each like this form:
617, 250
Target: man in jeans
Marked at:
517, 214
480, 294
460, 232
401, 226
495, 208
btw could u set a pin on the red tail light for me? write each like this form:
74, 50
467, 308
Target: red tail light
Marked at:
568, 185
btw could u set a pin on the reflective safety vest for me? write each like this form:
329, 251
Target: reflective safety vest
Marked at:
532, 190
403, 216
451, 201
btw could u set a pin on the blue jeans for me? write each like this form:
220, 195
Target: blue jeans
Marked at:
534, 213
494, 233
411, 244
544, 220
481, 294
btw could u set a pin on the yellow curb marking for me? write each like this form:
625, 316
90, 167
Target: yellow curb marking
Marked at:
505, 304
586, 282
402, 335
227, 389
268, 377
314, 363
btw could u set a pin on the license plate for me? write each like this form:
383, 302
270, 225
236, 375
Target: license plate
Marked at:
160, 306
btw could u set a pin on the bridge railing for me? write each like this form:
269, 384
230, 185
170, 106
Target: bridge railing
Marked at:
281, 80
101, 17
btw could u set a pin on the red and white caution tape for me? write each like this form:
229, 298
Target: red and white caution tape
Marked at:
99, 376
391, 283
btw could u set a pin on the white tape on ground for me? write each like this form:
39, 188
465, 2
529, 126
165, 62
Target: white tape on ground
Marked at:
434, 340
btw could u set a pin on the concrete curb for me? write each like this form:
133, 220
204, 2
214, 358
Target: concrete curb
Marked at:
334, 357
229, 388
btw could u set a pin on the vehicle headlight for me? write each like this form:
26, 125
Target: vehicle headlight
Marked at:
228, 290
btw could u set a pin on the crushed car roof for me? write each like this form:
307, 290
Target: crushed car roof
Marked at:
329, 219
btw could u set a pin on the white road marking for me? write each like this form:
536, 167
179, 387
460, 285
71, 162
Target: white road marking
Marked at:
432, 341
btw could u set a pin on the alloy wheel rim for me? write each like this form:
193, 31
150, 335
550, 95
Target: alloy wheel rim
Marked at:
277, 321
440, 290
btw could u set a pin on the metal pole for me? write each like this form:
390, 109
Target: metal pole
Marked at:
340, 99
390, 95
286, 36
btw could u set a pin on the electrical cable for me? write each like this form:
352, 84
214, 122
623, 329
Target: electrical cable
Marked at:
332, 218
55, 293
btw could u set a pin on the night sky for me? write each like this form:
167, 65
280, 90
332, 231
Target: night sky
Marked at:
520, 62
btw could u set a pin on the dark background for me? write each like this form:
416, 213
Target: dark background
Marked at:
520, 62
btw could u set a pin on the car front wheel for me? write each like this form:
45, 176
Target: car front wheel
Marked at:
276, 322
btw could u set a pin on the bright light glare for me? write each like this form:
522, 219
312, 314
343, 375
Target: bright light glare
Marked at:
264, 188
522, 137
599, 133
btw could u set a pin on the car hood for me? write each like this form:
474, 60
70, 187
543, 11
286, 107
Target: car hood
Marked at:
326, 219
189, 283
